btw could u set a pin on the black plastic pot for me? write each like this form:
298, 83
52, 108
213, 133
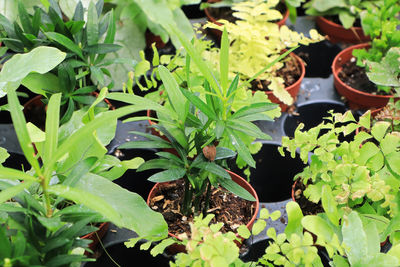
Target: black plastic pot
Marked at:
256, 251
17, 161
273, 176
193, 11
127, 257
318, 58
311, 114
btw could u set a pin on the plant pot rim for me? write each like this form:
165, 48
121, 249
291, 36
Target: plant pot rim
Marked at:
337, 32
344, 89
233, 175
281, 22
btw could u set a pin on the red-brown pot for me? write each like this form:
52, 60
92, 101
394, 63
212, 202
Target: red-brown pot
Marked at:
218, 33
357, 99
237, 179
96, 236
293, 90
152, 38
337, 33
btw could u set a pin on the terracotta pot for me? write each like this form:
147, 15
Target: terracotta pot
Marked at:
337, 33
96, 236
237, 179
152, 38
293, 89
218, 33
357, 99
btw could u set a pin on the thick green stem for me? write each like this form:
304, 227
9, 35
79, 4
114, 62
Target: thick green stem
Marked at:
49, 211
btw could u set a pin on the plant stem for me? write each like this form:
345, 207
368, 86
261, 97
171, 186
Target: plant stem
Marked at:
49, 211
187, 198
207, 199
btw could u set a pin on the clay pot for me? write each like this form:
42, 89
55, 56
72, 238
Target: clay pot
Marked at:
173, 249
218, 33
151, 38
337, 33
96, 236
357, 99
293, 89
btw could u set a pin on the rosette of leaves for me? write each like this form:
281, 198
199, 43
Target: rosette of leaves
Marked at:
348, 11
381, 25
86, 43
256, 41
361, 174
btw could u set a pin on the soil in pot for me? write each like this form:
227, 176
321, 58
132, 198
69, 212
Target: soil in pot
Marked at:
273, 176
124, 256
308, 207
356, 77
227, 207
132, 180
318, 58
311, 114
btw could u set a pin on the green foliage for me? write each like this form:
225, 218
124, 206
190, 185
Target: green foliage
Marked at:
86, 43
381, 25
348, 11
390, 113
360, 174
256, 41
386, 72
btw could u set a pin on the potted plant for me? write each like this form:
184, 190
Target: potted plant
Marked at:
73, 164
350, 175
341, 20
83, 72
350, 66
251, 52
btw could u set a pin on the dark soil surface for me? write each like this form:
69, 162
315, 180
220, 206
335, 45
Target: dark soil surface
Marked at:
228, 208
290, 72
356, 77
308, 207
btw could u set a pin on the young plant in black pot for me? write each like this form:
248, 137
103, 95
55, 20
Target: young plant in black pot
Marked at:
87, 44
352, 175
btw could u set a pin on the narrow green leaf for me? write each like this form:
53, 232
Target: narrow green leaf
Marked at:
11, 192
200, 104
224, 153
224, 61
168, 175
215, 169
52, 121
253, 109
66, 42
102, 48
241, 148
235, 188
13, 174
92, 26
155, 164
24, 18
247, 128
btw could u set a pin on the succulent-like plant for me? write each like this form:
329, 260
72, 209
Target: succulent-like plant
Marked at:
256, 41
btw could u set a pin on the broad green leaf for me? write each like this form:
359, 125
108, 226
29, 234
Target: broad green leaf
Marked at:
247, 128
40, 83
241, 148
235, 189
3, 155
318, 226
295, 215
379, 129
330, 205
355, 238
41, 59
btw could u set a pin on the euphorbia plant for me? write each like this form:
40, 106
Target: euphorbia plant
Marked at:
360, 174
256, 42
348, 11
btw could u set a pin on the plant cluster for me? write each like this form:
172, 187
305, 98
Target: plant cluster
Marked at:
257, 41
86, 42
348, 11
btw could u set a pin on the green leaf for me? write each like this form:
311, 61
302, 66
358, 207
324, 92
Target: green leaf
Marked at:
66, 42
175, 96
241, 148
3, 155
52, 121
7, 194
5, 244
41, 59
224, 60
224, 153
379, 129
145, 144
102, 48
155, 164
92, 26
354, 238
40, 83
215, 169
247, 128
168, 175
295, 215
330, 205
347, 19
253, 109
235, 189
24, 18
200, 104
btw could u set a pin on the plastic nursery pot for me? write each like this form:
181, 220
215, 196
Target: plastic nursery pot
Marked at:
173, 249
124, 256
273, 176
310, 114
293, 89
356, 98
96, 236
218, 33
16, 161
337, 33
